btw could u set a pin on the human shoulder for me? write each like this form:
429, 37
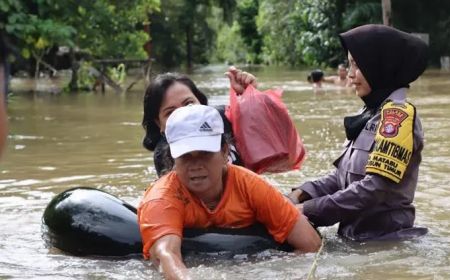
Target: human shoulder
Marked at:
246, 180
162, 188
242, 173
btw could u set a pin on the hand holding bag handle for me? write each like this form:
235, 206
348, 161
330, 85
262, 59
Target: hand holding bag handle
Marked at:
266, 137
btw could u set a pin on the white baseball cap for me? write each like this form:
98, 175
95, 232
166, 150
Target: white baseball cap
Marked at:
194, 128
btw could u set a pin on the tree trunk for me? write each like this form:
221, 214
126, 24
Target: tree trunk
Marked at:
36, 69
73, 85
387, 12
189, 48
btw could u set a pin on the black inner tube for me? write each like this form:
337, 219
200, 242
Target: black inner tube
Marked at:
87, 221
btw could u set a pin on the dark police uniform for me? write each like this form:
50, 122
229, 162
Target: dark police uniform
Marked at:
370, 192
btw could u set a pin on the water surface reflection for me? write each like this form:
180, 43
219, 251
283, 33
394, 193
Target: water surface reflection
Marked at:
59, 141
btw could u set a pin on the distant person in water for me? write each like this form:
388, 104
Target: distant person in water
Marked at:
316, 78
341, 78
3, 92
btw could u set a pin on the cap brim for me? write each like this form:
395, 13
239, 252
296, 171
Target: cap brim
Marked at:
210, 143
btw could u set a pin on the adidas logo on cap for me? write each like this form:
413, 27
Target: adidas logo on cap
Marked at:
205, 127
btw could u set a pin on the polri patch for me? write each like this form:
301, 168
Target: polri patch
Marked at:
393, 142
391, 121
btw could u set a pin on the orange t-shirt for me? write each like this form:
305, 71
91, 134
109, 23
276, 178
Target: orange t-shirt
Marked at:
168, 207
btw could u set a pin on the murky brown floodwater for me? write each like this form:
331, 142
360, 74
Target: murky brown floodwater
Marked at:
61, 141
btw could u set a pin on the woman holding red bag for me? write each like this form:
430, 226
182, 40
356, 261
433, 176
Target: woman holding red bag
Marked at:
170, 91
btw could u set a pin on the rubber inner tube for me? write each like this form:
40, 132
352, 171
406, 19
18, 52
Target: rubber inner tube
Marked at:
87, 221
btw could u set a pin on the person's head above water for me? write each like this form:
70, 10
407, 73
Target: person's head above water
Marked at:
382, 59
194, 128
197, 143
166, 93
315, 76
342, 71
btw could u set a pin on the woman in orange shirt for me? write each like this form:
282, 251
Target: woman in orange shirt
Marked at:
204, 190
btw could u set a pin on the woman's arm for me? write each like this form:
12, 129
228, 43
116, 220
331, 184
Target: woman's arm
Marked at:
303, 237
345, 204
166, 255
325, 185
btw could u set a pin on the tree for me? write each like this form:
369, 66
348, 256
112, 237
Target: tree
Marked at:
181, 33
27, 23
301, 32
387, 12
101, 28
247, 12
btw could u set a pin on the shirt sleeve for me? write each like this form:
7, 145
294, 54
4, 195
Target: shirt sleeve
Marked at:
346, 204
158, 218
273, 210
322, 186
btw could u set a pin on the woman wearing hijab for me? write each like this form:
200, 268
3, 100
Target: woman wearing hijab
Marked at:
370, 193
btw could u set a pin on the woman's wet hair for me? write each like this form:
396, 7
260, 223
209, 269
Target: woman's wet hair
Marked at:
153, 98
315, 76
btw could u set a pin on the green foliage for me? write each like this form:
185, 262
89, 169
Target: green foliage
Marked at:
103, 28
279, 43
247, 12
228, 7
108, 28
199, 31
431, 17
25, 21
118, 74
300, 32
181, 33
85, 78
230, 47
361, 12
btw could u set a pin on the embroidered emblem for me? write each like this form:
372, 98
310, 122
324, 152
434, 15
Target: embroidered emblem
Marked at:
205, 127
392, 119
394, 142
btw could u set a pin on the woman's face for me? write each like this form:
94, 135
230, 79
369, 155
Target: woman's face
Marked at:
357, 79
201, 172
177, 95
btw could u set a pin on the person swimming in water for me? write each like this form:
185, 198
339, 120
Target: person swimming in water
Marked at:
204, 190
341, 79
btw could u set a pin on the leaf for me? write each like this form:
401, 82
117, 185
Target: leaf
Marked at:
26, 53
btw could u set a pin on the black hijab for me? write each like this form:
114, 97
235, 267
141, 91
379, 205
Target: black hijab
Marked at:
389, 59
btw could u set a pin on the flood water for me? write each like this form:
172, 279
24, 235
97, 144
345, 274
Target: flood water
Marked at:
59, 141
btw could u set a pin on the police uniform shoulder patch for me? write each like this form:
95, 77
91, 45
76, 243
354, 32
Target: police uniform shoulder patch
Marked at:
393, 141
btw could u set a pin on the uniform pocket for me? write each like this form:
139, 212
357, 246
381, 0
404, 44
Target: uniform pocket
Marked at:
361, 149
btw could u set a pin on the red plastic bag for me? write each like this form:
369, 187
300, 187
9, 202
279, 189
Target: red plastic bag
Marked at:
265, 136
